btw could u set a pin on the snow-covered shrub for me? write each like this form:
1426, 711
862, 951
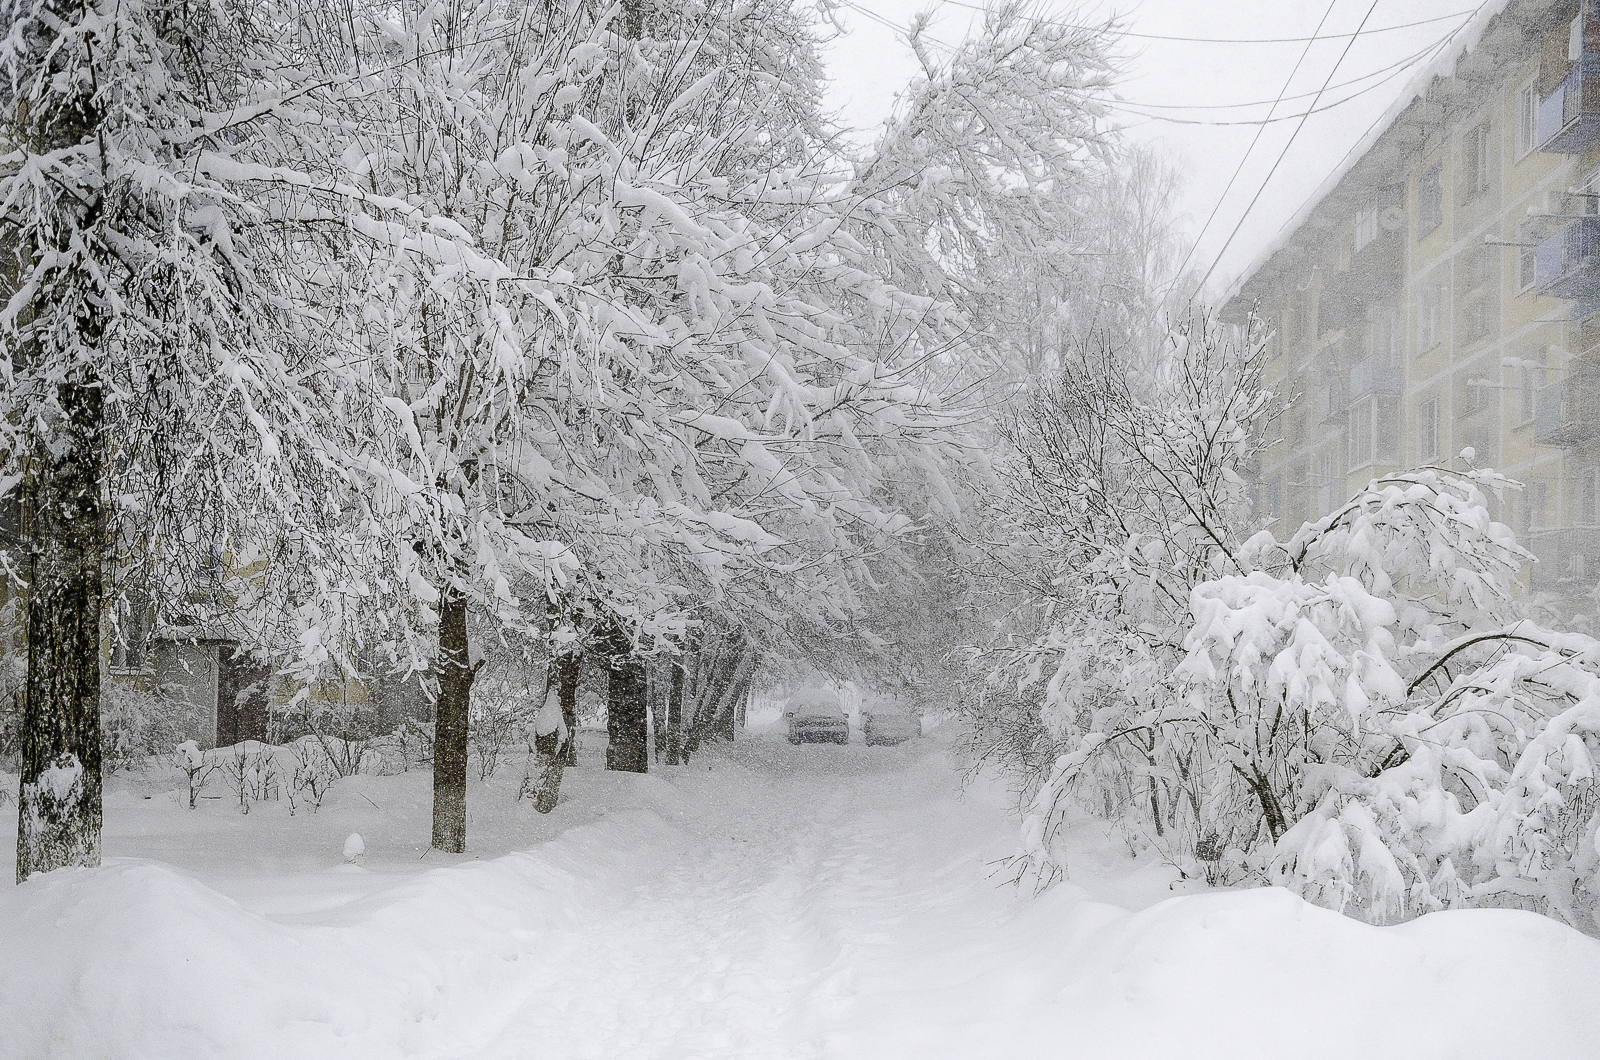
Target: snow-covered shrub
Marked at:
1363, 711
136, 723
196, 765
251, 768
311, 773
410, 744
1126, 492
499, 720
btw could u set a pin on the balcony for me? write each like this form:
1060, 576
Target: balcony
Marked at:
1569, 557
1368, 376
1340, 308
1567, 412
1569, 117
1567, 264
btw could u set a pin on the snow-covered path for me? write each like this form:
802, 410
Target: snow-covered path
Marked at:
786, 903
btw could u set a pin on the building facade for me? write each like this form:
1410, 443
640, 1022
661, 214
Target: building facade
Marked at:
1441, 293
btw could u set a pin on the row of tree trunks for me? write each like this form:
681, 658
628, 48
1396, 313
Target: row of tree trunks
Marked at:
721, 674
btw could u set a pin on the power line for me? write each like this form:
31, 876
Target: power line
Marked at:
1178, 275
1317, 36
1396, 65
1269, 120
1292, 137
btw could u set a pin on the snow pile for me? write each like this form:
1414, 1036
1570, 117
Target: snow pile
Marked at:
786, 903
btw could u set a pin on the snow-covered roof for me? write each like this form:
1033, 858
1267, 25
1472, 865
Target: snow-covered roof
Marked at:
1461, 44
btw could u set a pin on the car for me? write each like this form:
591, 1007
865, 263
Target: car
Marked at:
890, 727
815, 716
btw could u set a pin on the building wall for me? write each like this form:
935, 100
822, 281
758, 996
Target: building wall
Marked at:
1439, 308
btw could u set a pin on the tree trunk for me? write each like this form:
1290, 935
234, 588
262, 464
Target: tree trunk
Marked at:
59, 809
567, 676
658, 679
58, 805
551, 760
450, 728
675, 718
626, 710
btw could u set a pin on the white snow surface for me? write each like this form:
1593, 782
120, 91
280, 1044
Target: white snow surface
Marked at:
766, 902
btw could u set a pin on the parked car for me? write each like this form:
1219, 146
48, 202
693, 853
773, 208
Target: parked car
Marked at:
815, 716
890, 727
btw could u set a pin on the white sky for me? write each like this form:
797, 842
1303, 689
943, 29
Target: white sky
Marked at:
869, 65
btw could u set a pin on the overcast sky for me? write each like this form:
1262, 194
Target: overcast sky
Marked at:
1197, 80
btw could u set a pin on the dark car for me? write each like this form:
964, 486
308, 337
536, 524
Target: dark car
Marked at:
890, 727
815, 716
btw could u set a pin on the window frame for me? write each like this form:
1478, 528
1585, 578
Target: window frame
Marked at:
1427, 412
1527, 105
1430, 192
1474, 176
1430, 316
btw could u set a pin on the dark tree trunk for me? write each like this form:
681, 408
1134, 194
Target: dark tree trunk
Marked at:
567, 689
627, 711
675, 718
450, 728
551, 760
59, 810
58, 804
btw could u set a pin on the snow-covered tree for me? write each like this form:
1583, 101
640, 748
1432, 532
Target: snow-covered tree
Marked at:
162, 405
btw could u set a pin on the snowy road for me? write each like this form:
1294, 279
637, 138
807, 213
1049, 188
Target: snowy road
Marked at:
786, 903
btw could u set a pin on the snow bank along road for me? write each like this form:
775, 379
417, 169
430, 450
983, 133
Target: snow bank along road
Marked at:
813, 902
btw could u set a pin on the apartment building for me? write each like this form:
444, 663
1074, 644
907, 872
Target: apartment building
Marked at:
1442, 292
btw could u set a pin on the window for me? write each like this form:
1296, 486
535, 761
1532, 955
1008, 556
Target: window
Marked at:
1476, 320
1430, 199
1527, 119
1479, 267
1267, 498
1530, 372
1327, 484
1366, 228
1428, 431
1430, 302
1475, 161
1361, 433
1538, 500
1588, 513
1525, 268
1469, 394
1386, 428
1387, 338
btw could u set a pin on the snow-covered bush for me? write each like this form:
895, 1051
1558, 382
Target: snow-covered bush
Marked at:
311, 773
136, 723
251, 768
410, 744
500, 712
196, 765
1124, 494
1363, 711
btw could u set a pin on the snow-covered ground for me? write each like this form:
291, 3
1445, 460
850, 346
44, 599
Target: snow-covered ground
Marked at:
768, 902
